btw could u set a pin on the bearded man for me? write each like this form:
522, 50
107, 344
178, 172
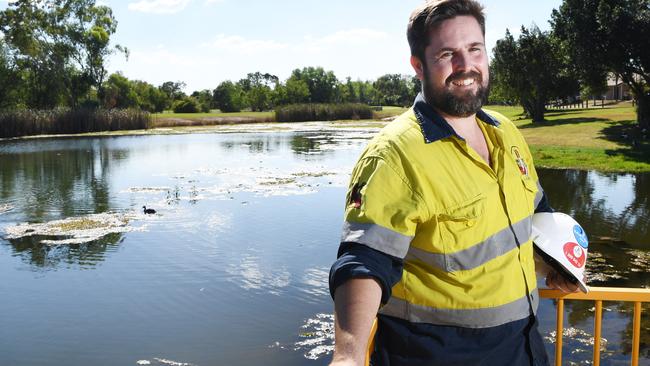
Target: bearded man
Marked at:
436, 247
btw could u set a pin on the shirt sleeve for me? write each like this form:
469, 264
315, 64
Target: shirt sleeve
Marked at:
381, 216
543, 205
382, 209
357, 261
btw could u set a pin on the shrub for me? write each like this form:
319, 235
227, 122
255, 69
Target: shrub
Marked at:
14, 123
186, 105
322, 112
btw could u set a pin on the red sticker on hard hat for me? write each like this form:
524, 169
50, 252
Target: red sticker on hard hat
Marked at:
575, 254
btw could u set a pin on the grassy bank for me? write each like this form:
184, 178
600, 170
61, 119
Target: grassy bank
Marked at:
15, 123
322, 112
219, 118
208, 119
604, 139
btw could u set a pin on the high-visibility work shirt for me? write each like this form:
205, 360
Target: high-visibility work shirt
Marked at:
461, 227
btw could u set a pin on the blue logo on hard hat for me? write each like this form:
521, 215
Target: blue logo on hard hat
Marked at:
581, 236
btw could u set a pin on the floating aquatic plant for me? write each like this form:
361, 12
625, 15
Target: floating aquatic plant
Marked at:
572, 334
75, 230
317, 337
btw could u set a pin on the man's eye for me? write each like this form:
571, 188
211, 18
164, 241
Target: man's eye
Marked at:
446, 55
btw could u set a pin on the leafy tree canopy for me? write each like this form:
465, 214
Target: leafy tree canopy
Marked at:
530, 70
602, 36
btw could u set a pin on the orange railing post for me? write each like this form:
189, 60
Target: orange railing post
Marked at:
598, 295
371, 341
598, 317
636, 333
559, 332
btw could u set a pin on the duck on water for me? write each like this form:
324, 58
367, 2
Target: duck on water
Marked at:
148, 210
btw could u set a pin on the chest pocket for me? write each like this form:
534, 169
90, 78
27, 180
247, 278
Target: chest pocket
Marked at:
530, 190
458, 224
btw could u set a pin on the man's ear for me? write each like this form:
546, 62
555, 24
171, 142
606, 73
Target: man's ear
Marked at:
418, 67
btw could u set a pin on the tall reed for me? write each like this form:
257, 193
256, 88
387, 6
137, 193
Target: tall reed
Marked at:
29, 122
322, 112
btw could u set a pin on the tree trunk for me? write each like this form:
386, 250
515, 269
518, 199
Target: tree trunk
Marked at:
643, 110
537, 112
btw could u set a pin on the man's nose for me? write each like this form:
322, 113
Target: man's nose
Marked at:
462, 61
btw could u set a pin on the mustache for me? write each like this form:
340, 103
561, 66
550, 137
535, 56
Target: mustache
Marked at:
464, 75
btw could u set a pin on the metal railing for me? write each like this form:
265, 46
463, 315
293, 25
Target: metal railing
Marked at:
598, 295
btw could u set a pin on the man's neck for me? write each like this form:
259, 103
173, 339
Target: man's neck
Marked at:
463, 126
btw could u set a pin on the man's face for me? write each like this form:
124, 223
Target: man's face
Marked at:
454, 71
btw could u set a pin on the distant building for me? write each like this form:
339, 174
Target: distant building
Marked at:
617, 89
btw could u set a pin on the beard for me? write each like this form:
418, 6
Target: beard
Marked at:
463, 105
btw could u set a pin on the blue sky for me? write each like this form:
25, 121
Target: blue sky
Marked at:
204, 42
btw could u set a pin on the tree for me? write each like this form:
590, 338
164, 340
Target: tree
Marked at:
604, 36
367, 93
348, 92
186, 105
59, 46
529, 70
322, 84
173, 90
149, 97
395, 89
228, 97
119, 92
296, 91
10, 81
258, 88
204, 98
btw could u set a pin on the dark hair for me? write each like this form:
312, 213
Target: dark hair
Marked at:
433, 12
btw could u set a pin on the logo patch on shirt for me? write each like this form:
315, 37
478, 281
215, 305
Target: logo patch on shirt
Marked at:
521, 163
355, 195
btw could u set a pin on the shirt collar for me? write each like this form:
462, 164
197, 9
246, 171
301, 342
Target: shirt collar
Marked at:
434, 127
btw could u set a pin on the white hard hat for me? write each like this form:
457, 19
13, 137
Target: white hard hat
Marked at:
562, 243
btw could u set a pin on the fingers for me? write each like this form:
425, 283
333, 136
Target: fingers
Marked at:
556, 281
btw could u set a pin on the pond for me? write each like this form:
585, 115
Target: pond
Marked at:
232, 268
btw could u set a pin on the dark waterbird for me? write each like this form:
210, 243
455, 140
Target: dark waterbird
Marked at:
148, 210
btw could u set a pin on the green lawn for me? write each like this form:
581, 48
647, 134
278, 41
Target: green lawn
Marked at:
595, 138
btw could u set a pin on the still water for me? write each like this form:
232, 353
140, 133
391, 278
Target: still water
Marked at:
232, 269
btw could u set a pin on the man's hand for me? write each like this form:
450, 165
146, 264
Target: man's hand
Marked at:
556, 281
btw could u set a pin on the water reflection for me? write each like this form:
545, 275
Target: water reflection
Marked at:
608, 205
614, 210
85, 255
54, 179
65, 178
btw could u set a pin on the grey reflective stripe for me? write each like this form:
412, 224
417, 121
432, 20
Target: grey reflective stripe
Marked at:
377, 237
494, 246
468, 318
539, 195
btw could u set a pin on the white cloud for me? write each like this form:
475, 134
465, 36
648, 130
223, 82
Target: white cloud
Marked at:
248, 46
353, 36
159, 6
352, 52
208, 2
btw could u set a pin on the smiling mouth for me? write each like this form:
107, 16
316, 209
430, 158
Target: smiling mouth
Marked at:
464, 82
